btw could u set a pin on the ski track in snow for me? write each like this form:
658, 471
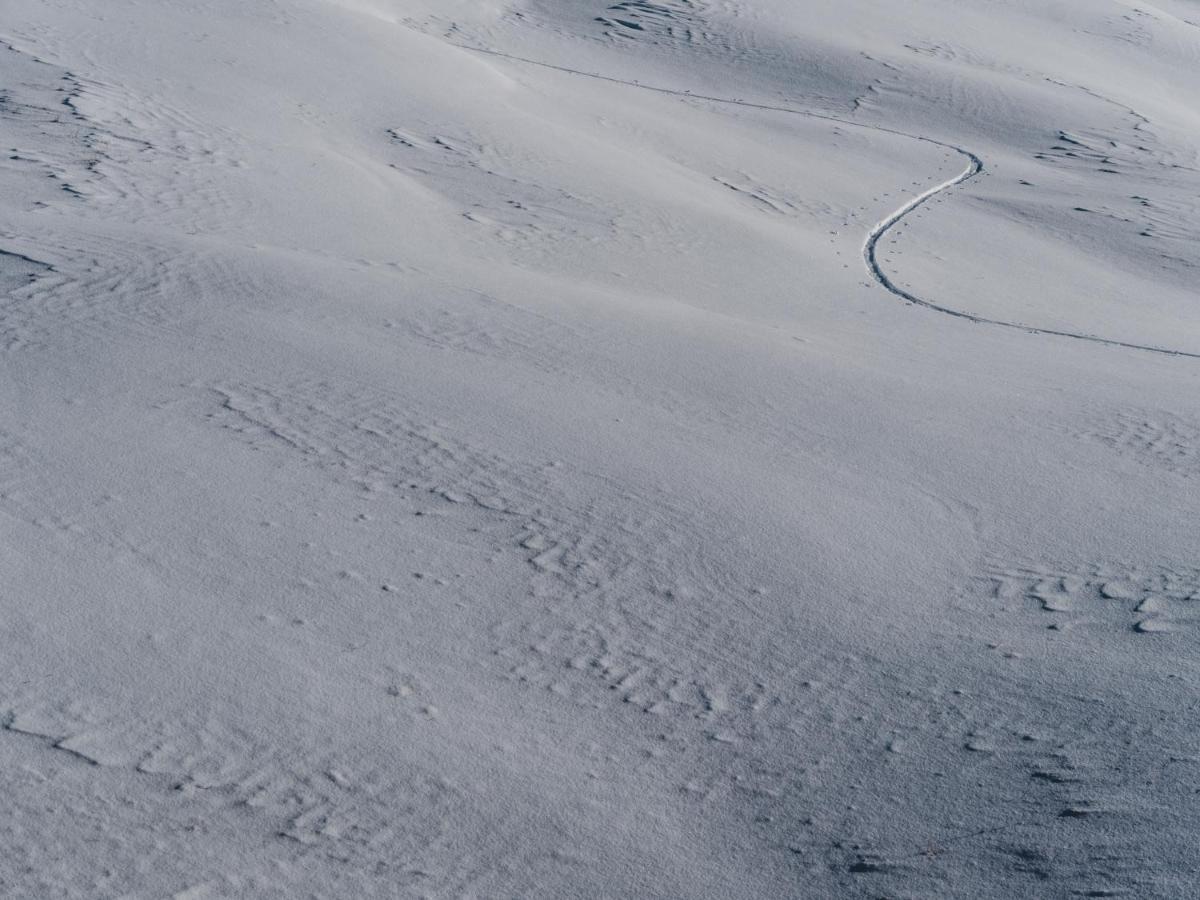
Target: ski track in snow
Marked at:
974, 168
581, 554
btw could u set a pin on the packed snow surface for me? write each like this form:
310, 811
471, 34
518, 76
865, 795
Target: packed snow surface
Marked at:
600, 448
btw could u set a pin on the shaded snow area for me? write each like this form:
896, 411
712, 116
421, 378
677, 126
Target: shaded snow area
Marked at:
594, 449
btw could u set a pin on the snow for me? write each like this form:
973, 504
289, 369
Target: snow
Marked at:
564, 448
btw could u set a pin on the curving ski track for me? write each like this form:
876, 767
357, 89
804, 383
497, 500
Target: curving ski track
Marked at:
877, 272
870, 255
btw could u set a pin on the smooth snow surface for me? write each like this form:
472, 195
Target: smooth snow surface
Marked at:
600, 448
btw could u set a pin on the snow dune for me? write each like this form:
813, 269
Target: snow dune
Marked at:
667, 448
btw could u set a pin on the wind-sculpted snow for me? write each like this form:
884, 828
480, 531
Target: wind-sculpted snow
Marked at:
880, 229
473, 449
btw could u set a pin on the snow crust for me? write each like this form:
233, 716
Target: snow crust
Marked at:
599, 448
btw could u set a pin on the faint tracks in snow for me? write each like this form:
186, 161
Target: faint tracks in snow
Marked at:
974, 168
870, 254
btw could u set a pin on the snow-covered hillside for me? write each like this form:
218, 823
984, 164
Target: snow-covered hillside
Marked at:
599, 448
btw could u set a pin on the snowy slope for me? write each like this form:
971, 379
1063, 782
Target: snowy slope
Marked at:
576, 448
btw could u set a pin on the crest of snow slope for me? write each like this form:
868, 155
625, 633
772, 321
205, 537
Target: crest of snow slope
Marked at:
430, 473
